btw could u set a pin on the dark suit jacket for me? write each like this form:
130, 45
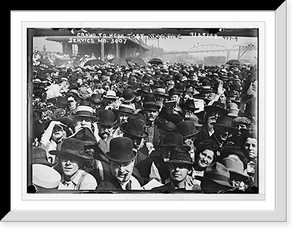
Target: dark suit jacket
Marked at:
110, 184
168, 188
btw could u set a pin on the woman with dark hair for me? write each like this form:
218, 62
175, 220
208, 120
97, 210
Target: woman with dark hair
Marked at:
205, 155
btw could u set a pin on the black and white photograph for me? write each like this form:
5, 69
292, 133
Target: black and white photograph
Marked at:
143, 110
148, 116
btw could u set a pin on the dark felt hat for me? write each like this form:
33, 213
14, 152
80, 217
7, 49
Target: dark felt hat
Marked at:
121, 150
128, 95
95, 98
150, 103
134, 127
72, 148
180, 155
216, 106
236, 168
144, 90
216, 173
187, 129
86, 135
169, 114
172, 139
173, 91
225, 122
189, 105
107, 117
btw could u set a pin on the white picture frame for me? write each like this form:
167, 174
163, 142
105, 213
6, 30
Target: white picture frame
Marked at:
271, 205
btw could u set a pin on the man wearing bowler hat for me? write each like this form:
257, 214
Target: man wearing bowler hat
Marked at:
135, 130
107, 121
122, 157
189, 133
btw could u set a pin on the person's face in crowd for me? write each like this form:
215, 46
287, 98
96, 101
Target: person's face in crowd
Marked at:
122, 171
165, 152
65, 84
105, 131
123, 117
89, 150
254, 85
188, 113
222, 133
212, 119
251, 147
138, 98
178, 172
234, 96
239, 185
70, 165
109, 101
222, 98
137, 142
206, 97
95, 106
175, 97
242, 129
160, 98
190, 142
205, 158
152, 115
72, 104
58, 133
81, 122
106, 87
170, 85
145, 83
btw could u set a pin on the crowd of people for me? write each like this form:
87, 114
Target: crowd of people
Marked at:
164, 127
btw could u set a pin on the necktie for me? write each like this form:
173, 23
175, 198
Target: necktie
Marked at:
128, 185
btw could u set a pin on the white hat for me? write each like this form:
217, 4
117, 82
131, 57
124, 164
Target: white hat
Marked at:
110, 95
233, 110
45, 176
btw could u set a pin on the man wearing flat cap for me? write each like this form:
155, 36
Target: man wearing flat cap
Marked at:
122, 157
